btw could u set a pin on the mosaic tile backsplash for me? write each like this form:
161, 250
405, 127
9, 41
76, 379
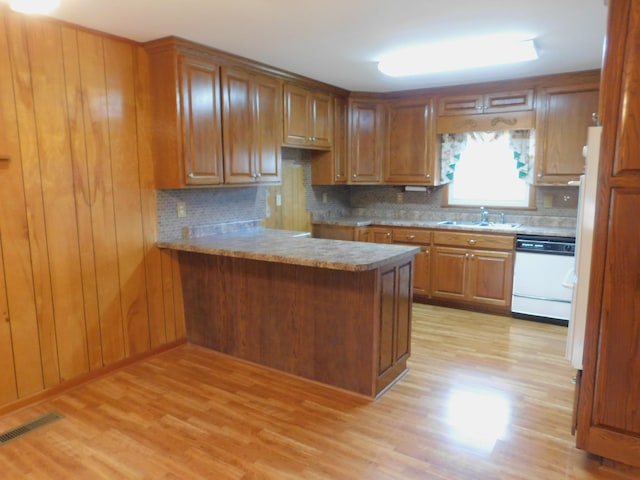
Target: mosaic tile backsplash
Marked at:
556, 206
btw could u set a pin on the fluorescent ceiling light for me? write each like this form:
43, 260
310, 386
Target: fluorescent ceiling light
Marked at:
34, 6
463, 54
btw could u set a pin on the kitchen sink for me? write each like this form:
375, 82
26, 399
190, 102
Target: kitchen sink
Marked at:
468, 223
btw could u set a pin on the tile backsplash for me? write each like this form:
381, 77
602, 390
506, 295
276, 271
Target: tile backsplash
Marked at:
555, 206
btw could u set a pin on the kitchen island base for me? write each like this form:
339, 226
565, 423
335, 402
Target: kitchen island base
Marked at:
347, 329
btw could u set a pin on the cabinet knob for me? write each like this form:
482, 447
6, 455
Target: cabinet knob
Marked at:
472, 256
191, 175
388, 234
410, 237
540, 175
354, 175
466, 255
258, 175
472, 241
427, 251
428, 175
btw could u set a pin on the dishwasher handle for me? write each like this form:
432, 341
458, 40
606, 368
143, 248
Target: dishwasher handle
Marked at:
570, 279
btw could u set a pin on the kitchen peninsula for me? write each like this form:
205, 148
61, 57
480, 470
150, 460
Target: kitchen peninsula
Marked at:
331, 311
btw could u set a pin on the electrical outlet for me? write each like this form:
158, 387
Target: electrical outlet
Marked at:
324, 197
181, 209
278, 200
399, 197
548, 201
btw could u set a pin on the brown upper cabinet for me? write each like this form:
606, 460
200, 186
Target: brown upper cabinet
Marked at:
563, 115
252, 109
308, 118
330, 167
187, 133
481, 112
366, 141
411, 143
488, 103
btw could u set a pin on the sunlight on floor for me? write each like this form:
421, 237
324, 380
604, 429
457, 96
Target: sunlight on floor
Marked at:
478, 418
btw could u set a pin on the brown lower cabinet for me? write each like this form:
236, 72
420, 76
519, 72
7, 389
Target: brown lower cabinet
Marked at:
473, 268
454, 267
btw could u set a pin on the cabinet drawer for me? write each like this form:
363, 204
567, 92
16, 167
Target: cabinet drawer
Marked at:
412, 235
474, 240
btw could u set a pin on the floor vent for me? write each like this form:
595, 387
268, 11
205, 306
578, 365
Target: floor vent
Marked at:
17, 432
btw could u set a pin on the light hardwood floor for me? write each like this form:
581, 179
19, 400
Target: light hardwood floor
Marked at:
487, 397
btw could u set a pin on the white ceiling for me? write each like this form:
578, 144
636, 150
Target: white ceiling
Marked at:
338, 41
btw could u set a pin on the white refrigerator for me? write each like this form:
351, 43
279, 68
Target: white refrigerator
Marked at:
584, 246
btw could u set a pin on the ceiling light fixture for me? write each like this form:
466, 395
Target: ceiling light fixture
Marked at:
34, 6
462, 54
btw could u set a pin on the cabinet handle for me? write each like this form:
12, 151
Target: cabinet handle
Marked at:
410, 237
191, 175
472, 242
258, 175
540, 175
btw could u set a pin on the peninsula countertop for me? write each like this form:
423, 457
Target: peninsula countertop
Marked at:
294, 248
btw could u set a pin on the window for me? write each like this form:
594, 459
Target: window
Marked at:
488, 168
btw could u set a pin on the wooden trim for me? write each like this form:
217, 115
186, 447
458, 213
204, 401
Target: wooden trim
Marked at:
79, 380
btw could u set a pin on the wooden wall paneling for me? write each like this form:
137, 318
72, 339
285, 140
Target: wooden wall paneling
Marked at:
92, 72
8, 387
121, 104
178, 299
49, 96
167, 295
152, 257
24, 237
83, 195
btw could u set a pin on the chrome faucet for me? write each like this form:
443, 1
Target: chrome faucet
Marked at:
484, 214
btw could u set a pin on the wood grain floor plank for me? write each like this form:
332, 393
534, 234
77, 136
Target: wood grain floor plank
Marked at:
193, 413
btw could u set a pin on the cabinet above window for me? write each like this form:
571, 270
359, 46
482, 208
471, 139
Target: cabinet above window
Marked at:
484, 112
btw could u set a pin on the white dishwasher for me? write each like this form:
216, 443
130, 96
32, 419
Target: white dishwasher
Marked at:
543, 264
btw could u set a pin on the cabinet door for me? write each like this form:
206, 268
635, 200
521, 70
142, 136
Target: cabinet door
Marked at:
363, 234
251, 127
331, 167
381, 235
340, 128
608, 414
460, 105
296, 116
365, 142
409, 158
238, 131
448, 272
321, 123
490, 277
564, 113
267, 114
201, 121
508, 101
421, 277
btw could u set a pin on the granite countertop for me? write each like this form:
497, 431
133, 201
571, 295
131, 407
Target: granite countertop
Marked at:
522, 229
295, 248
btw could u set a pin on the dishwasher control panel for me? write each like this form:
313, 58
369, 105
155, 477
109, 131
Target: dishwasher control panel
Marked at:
547, 245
